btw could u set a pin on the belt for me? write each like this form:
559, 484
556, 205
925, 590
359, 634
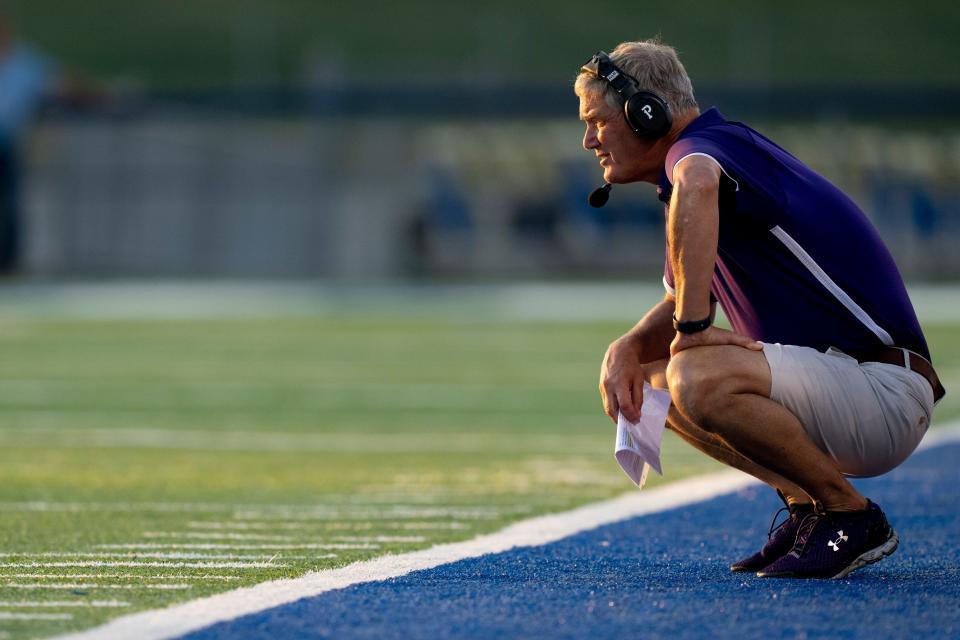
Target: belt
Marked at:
908, 360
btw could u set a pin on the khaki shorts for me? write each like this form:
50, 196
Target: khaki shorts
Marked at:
869, 417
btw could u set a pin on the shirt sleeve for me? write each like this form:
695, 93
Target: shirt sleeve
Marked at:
668, 283
756, 186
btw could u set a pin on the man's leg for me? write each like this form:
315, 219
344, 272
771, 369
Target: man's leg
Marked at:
715, 447
725, 391
719, 450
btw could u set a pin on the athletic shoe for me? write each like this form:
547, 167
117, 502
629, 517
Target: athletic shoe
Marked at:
832, 545
780, 538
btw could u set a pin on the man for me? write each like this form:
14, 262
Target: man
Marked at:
826, 373
28, 81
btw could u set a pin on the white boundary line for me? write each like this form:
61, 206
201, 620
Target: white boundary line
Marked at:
183, 618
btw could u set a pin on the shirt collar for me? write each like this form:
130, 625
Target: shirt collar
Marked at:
708, 118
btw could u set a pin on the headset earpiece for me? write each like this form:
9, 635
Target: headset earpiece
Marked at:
648, 115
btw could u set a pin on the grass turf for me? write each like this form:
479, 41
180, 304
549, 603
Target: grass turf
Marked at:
149, 462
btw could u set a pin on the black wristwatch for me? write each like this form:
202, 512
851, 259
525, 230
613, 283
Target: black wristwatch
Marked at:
691, 326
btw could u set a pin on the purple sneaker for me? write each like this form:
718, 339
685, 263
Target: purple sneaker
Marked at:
834, 544
780, 538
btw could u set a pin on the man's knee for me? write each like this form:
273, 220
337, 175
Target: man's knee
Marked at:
693, 383
703, 381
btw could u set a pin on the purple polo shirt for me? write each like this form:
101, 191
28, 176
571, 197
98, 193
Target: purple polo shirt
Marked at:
797, 261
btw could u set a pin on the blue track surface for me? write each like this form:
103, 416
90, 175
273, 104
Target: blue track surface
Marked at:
665, 576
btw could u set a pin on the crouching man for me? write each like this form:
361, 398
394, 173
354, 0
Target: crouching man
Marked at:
826, 374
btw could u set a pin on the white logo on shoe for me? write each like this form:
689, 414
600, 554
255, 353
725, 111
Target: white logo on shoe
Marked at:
835, 544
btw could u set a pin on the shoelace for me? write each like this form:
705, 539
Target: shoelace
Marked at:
804, 531
774, 529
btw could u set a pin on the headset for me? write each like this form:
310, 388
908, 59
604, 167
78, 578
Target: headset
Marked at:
647, 113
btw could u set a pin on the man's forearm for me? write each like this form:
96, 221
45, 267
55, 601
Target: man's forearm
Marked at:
653, 334
693, 229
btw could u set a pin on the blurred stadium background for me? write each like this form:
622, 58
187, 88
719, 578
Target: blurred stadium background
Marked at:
308, 139
324, 272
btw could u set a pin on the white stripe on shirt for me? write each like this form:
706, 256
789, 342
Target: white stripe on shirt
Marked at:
794, 247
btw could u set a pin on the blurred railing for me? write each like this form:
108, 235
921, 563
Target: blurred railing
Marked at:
467, 181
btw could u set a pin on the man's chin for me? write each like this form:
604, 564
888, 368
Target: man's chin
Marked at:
611, 177
614, 174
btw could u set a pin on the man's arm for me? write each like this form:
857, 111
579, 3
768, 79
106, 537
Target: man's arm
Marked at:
622, 372
650, 338
693, 229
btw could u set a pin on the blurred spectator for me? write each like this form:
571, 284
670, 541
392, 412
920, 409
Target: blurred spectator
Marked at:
29, 79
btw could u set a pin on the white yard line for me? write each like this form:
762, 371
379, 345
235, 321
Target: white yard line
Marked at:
216, 545
197, 614
380, 538
426, 526
307, 513
61, 604
244, 512
360, 525
113, 576
165, 565
7, 615
211, 546
315, 527
285, 442
135, 507
173, 555
40, 586
215, 536
247, 526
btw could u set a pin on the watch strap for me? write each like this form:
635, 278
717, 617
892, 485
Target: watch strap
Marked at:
691, 326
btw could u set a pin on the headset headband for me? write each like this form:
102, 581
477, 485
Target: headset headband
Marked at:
602, 66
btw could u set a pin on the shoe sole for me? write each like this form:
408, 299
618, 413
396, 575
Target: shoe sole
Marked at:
738, 568
874, 555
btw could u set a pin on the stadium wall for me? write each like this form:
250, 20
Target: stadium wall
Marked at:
178, 193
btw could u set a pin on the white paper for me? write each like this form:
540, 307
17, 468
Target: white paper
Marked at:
638, 443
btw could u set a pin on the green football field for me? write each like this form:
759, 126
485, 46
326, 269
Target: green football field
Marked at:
149, 461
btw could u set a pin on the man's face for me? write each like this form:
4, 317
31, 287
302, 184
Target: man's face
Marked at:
624, 156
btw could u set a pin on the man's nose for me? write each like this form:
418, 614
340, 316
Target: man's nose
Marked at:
590, 140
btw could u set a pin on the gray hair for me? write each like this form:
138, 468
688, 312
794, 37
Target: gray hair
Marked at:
655, 67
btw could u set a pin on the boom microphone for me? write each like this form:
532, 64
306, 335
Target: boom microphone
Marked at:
600, 195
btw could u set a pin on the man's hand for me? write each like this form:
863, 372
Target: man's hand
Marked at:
621, 380
712, 336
